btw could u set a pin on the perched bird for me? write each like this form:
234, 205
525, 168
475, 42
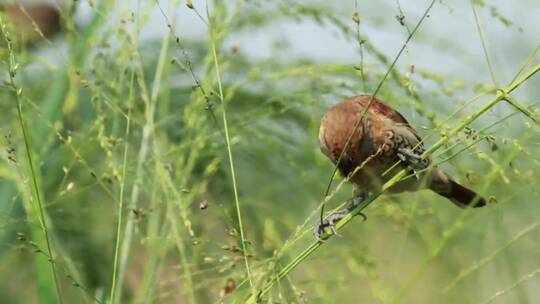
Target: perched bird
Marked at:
382, 144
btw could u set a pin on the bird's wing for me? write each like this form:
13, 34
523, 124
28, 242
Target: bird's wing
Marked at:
382, 108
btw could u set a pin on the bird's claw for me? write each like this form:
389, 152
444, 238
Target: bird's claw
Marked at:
337, 216
331, 222
319, 229
364, 217
412, 158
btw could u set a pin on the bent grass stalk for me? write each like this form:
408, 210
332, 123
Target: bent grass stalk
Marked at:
301, 230
501, 94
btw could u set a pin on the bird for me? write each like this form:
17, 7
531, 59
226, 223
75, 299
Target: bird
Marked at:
34, 21
370, 142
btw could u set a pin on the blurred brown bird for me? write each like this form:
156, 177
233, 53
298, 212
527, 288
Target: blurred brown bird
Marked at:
383, 139
31, 21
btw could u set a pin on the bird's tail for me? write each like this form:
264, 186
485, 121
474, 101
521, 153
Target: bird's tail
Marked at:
458, 194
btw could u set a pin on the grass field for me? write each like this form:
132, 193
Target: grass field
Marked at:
167, 152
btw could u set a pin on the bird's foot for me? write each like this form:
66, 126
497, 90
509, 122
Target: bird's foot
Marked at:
319, 231
335, 218
412, 158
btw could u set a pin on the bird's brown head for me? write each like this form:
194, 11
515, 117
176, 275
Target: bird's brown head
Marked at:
337, 125
342, 119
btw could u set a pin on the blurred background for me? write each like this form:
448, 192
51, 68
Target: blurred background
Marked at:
128, 110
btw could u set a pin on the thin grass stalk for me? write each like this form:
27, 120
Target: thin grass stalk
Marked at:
122, 188
229, 152
484, 45
17, 92
172, 195
534, 117
143, 152
526, 62
180, 244
514, 285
